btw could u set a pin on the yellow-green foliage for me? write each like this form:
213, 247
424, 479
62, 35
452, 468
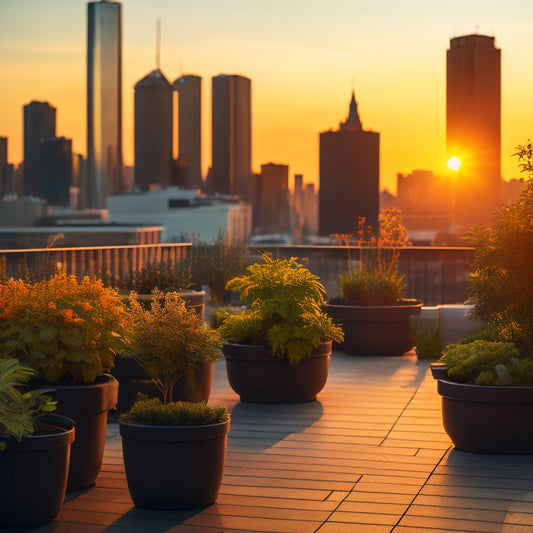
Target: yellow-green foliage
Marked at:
169, 338
65, 329
487, 363
154, 413
20, 410
283, 302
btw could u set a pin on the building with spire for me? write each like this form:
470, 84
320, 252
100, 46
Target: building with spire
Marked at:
349, 176
189, 89
473, 125
153, 130
104, 103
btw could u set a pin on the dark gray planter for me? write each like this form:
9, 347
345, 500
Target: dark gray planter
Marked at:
258, 377
34, 475
174, 467
486, 418
375, 329
88, 406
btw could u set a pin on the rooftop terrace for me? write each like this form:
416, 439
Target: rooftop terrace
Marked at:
370, 455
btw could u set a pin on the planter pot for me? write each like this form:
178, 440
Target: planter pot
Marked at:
194, 386
174, 467
439, 370
34, 475
488, 419
87, 405
258, 377
375, 329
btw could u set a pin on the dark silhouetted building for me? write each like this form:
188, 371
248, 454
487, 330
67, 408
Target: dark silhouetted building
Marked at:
272, 206
104, 102
7, 185
473, 130
55, 154
189, 89
231, 171
153, 130
39, 123
349, 176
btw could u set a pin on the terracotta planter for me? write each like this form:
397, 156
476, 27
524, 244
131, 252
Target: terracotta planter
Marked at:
375, 330
174, 467
258, 377
34, 475
488, 419
87, 405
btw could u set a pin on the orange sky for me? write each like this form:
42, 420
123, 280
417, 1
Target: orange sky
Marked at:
303, 57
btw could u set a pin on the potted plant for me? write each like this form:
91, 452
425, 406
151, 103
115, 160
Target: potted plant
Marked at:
174, 347
69, 331
374, 316
487, 392
34, 451
173, 451
278, 346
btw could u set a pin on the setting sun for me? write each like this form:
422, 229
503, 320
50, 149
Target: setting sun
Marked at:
454, 163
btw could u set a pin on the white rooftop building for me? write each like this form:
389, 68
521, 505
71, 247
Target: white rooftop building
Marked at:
184, 215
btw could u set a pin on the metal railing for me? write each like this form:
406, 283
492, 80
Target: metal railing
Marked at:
91, 260
433, 275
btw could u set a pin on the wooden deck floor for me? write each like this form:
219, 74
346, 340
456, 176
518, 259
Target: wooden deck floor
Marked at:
370, 455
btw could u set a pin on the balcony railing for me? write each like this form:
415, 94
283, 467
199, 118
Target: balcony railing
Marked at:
433, 275
91, 260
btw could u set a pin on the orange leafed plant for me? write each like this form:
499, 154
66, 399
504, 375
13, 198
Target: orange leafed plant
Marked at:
374, 279
66, 329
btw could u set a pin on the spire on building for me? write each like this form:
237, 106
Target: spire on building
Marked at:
353, 122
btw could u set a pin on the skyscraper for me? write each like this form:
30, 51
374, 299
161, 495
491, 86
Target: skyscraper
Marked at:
349, 176
39, 122
104, 102
189, 89
231, 171
55, 154
271, 210
473, 124
153, 130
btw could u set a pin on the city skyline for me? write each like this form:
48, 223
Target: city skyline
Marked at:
303, 57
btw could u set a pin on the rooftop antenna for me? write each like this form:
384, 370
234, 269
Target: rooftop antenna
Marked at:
158, 43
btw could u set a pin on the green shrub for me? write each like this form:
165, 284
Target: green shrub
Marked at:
169, 338
487, 363
361, 287
283, 302
214, 264
428, 344
19, 411
154, 413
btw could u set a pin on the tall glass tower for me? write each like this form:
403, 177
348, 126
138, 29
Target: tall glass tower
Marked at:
104, 102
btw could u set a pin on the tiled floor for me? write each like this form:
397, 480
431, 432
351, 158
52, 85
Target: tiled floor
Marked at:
370, 455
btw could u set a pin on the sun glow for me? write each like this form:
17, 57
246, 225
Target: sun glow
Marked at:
453, 163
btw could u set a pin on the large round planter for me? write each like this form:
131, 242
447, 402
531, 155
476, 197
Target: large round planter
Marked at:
486, 418
194, 386
34, 475
258, 377
375, 329
174, 467
87, 405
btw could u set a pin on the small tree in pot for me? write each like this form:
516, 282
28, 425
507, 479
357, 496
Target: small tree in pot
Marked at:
283, 329
173, 451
